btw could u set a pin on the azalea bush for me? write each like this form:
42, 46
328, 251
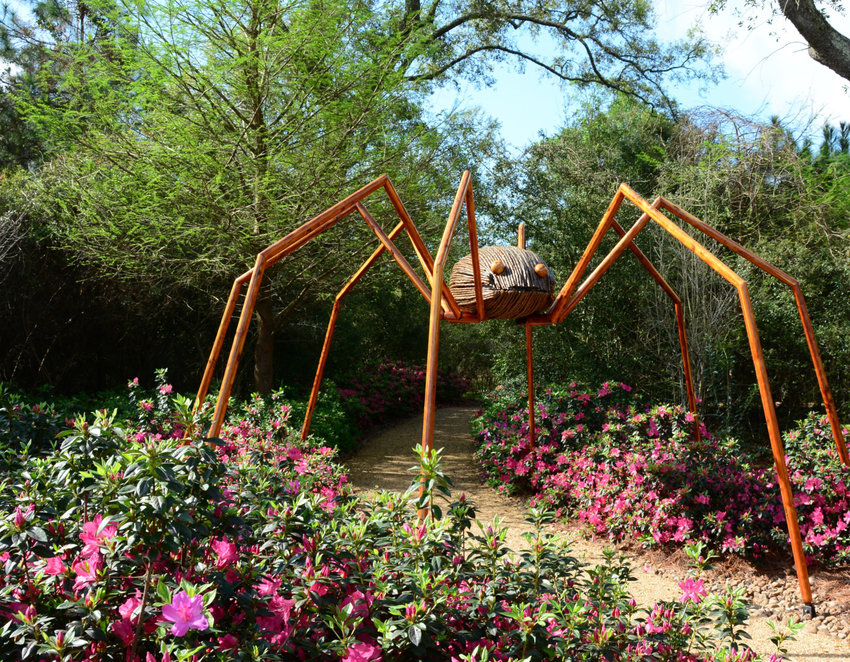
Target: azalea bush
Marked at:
26, 425
390, 390
128, 542
626, 469
379, 393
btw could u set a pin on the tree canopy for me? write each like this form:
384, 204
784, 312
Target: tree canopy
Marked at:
182, 137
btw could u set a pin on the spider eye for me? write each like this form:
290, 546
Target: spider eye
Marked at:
541, 270
497, 267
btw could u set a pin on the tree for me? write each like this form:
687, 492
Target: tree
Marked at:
193, 133
827, 45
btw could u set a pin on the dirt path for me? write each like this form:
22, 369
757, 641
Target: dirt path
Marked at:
384, 460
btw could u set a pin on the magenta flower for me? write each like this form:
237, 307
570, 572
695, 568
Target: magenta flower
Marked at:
166, 388
92, 539
226, 551
127, 610
227, 643
124, 630
693, 590
186, 613
86, 570
362, 652
54, 566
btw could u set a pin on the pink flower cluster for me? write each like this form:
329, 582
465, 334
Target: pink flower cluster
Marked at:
626, 470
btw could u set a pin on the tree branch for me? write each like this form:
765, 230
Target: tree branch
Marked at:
598, 77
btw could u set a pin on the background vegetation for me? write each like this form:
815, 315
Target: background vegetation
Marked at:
150, 150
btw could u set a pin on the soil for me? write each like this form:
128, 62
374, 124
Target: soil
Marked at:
384, 460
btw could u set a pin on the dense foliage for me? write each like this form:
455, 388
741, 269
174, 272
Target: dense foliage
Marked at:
782, 198
128, 542
632, 471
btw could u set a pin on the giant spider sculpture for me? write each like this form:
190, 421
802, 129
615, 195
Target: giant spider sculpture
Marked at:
513, 283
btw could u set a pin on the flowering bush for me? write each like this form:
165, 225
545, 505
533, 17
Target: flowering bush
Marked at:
27, 426
393, 389
127, 543
627, 470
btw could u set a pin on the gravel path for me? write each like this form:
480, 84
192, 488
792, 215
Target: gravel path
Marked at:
385, 458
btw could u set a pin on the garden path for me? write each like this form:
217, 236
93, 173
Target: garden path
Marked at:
383, 462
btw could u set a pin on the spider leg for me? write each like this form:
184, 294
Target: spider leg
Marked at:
808, 329
323, 358
761, 377
680, 324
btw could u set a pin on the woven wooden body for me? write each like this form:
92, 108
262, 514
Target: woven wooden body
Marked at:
516, 292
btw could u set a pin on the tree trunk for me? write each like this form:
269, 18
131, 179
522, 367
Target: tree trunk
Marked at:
264, 350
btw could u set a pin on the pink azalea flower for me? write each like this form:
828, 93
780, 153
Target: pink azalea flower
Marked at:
186, 613
166, 388
226, 551
124, 630
92, 539
130, 605
54, 566
294, 453
362, 652
227, 642
693, 590
86, 570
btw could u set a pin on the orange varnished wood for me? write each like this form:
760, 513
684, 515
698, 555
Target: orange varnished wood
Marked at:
802, 309
326, 346
776, 445
449, 305
603, 266
680, 323
473, 250
520, 236
437, 286
529, 360
572, 282
395, 252
223, 326
237, 346
319, 223
686, 365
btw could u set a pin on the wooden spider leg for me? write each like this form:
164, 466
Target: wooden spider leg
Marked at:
529, 361
323, 358
761, 377
572, 282
601, 268
266, 258
680, 323
437, 289
223, 326
394, 251
808, 329
449, 305
238, 345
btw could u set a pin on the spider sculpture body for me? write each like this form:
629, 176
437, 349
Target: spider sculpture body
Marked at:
514, 283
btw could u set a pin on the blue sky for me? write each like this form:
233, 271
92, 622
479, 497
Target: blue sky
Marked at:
768, 71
